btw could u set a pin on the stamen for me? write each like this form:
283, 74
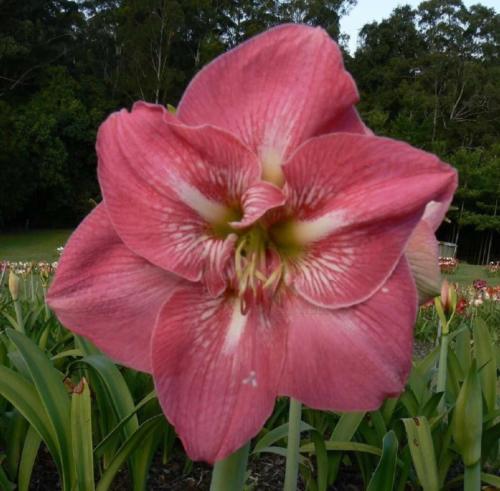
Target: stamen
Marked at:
275, 276
251, 268
237, 259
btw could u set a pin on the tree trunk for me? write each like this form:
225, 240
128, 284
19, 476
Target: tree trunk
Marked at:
488, 256
458, 223
434, 119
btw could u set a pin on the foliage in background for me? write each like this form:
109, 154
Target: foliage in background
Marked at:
427, 75
66, 64
58, 392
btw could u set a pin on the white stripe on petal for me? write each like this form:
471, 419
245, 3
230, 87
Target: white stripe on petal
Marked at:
236, 328
208, 209
272, 160
308, 231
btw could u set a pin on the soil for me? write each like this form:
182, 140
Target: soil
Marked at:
421, 348
265, 474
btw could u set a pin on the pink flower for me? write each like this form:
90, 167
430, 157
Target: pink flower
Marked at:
254, 245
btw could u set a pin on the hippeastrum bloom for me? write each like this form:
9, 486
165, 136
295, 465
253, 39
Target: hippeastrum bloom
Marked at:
256, 244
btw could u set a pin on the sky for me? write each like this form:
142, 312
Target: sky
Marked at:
369, 10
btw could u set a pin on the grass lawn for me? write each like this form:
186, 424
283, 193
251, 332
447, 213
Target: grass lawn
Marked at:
467, 273
38, 245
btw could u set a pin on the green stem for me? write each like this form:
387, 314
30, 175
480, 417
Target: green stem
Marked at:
441, 377
47, 313
32, 289
229, 474
19, 316
472, 477
292, 452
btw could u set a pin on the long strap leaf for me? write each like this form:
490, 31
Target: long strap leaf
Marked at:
422, 452
383, 476
28, 457
132, 444
54, 399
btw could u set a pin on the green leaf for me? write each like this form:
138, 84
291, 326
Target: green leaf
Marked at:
277, 434
53, 396
426, 365
440, 312
81, 435
486, 361
491, 439
321, 460
119, 396
486, 478
410, 402
422, 452
16, 432
103, 444
388, 408
455, 375
28, 457
343, 447
346, 426
133, 443
85, 346
11, 320
431, 405
418, 385
463, 349
3, 351
144, 458
488, 418
446, 455
344, 430
467, 424
5, 484
67, 353
121, 399
490, 479
383, 477
379, 425
22, 395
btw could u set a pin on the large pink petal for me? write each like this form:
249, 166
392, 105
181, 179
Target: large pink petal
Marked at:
435, 211
216, 371
171, 190
422, 255
351, 359
274, 91
355, 213
349, 121
105, 292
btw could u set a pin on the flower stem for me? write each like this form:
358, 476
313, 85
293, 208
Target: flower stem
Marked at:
472, 477
292, 453
443, 361
47, 313
229, 474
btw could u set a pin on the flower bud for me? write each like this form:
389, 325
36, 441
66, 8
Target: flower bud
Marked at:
467, 421
448, 297
14, 285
